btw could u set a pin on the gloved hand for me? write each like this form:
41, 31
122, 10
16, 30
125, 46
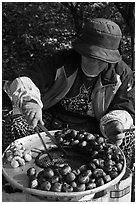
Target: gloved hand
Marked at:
114, 132
33, 113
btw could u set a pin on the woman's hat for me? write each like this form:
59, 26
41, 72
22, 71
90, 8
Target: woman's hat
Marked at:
100, 39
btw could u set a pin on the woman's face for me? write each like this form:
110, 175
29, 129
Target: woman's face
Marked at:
92, 67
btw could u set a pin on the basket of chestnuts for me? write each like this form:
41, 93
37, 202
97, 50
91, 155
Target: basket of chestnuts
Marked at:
91, 166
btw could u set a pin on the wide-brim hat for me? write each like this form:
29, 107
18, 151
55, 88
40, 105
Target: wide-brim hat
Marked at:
100, 39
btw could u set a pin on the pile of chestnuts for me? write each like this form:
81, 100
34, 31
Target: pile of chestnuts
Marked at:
105, 163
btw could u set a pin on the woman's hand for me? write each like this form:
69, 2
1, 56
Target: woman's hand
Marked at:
114, 132
33, 113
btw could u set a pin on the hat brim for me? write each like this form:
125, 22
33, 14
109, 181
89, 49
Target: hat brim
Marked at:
110, 56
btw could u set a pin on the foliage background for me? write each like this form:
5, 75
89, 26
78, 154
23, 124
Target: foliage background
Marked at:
31, 30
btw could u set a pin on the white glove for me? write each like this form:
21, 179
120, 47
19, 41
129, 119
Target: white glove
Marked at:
33, 113
113, 124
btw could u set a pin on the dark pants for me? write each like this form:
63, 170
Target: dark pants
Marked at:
59, 121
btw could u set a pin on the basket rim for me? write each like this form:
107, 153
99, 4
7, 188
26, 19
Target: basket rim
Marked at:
63, 194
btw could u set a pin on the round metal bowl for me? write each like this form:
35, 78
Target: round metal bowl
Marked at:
17, 177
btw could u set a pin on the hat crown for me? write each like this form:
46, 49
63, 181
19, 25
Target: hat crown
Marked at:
103, 33
101, 25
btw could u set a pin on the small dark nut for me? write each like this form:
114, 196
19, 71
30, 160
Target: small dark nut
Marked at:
83, 168
98, 173
48, 172
96, 162
46, 186
56, 187
107, 178
70, 177
109, 162
108, 168
74, 142
83, 179
113, 174
94, 154
73, 184
40, 174
67, 188
119, 167
82, 143
65, 170
80, 187
92, 166
114, 168
89, 137
54, 179
33, 183
72, 134
80, 136
92, 180
90, 186
31, 171
101, 162
100, 140
87, 173
100, 182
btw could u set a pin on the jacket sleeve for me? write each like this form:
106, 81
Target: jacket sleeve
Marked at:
35, 81
43, 71
125, 96
122, 108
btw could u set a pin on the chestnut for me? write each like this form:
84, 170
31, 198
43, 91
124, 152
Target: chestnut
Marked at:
98, 173
83, 179
119, 167
80, 187
89, 137
73, 184
82, 144
114, 168
60, 139
74, 142
48, 172
46, 186
109, 162
116, 157
70, 177
71, 135
96, 161
100, 182
80, 136
41, 176
56, 187
33, 183
92, 180
113, 174
92, 166
100, 140
65, 169
67, 188
31, 171
94, 154
108, 168
107, 178
54, 179
88, 172
82, 132
83, 168
101, 162
90, 186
